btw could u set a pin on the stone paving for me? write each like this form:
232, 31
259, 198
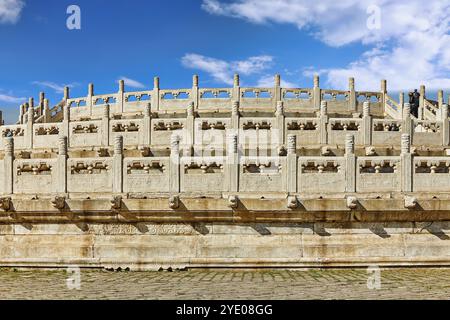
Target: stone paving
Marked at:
412, 283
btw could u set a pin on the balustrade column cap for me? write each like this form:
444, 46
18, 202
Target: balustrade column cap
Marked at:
118, 145
121, 85
351, 83
236, 80
62, 146
66, 92
9, 146
195, 80
349, 144
316, 81
406, 143
444, 109
366, 109
235, 108
323, 108
277, 80
90, 89
148, 110
232, 143
292, 143
406, 110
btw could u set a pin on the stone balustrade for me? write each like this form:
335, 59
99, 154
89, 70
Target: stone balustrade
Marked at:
118, 170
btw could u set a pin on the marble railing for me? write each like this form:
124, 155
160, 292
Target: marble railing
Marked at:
119, 172
255, 130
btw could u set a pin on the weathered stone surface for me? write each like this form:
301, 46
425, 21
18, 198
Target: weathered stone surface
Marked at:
225, 177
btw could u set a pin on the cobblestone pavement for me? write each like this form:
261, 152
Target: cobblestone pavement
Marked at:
416, 283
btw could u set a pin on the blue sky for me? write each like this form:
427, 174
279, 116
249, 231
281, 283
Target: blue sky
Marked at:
174, 39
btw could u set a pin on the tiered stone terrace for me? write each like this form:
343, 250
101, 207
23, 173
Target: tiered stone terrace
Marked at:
200, 167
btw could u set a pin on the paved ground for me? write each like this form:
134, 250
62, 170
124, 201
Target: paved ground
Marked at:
228, 284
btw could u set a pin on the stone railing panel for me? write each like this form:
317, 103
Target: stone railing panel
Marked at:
203, 174
378, 174
321, 174
339, 128
307, 130
254, 98
431, 174
130, 129
35, 175
163, 129
427, 132
174, 99
386, 132
146, 174
137, 101
337, 100
297, 98
85, 133
211, 132
46, 135
219, 98
89, 175
258, 132
262, 174
15, 131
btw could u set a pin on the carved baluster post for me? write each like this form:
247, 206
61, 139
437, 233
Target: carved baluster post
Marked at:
280, 130
383, 93
194, 92
291, 163
236, 94
118, 165
147, 125
317, 95
235, 115
105, 125
440, 98
408, 122
352, 105
401, 99
155, 94
421, 102
30, 122
8, 163
323, 122
445, 125
65, 128
407, 163
367, 124
66, 94
61, 170
121, 96
232, 165
174, 171
90, 101
350, 160
46, 110
277, 89
189, 130
22, 114
41, 103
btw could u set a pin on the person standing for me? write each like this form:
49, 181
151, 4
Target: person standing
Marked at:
414, 101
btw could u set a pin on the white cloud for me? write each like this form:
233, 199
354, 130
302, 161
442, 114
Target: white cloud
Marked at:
267, 81
11, 99
132, 83
10, 10
412, 45
222, 71
59, 88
